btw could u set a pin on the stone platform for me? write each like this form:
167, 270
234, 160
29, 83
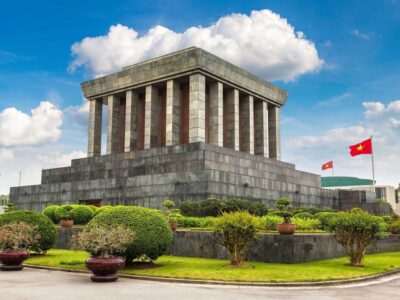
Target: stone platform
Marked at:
182, 172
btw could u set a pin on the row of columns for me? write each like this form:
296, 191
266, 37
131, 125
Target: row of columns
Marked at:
247, 124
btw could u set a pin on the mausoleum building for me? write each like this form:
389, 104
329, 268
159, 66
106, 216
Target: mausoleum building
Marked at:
187, 125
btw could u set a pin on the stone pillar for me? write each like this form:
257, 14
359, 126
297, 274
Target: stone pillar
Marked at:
216, 114
94, 135
131, 121
152, 118
247, 124
173, 113
113, 124
274, 132
261, 146
232, 119
197, 108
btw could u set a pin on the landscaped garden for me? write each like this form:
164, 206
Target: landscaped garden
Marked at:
134, 240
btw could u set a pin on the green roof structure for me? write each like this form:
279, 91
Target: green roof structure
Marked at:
340, 181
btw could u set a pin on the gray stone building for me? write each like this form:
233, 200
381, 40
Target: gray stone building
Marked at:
187, 125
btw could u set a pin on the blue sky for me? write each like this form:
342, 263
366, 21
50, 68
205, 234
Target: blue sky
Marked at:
327, 108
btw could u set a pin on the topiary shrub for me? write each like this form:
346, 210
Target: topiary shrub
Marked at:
64, 212
101, 209
284, 209
82, 214
210, 207
394, 227
236, 231
49, 211
190, 208
325, 219
355, 230
92, 207
46, 228
153, 234
304, 215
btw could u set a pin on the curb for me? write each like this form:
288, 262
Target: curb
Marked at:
236, 283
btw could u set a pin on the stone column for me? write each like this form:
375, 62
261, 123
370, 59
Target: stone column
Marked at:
247, 124
113, 124
274, 132
232, 119
152, 118
261, 146
216, 114
197, 108
131, 121
173, 113
95, 119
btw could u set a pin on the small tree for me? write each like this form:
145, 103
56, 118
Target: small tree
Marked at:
355, 230
103, 241
236, 231
18, 236
284, 209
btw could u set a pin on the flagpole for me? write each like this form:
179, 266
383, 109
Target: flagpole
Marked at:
332, 170
373, 165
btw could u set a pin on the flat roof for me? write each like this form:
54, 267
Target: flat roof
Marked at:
181, 63
342, 181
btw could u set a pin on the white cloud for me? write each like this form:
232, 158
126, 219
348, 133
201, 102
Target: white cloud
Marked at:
380, 120
6, 155
80, 113
19, 128
335, 101
56, 159
362, 35
262, 42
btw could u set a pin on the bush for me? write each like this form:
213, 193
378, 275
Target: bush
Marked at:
64, 212
325, 219
190, 208
395, 227
18, 236
355, 230
82, 214
253, 207
271, 221
49, 211
210, 207
304, 215
236, 231
153, 234
284, 209
46, 228
306, 224
101, 209
92, 207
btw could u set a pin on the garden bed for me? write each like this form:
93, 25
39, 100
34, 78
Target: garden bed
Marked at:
215, 269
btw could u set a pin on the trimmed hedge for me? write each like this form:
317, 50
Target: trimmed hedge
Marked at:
214, 207
64, 211
47, 230
153, 234
304, 215
50, 212
82, 214
101, 209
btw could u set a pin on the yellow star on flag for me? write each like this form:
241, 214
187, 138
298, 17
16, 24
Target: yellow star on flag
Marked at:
360, 147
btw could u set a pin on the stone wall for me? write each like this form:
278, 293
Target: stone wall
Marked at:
184, 172
273, 248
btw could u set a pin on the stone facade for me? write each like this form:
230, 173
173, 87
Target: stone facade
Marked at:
187, 125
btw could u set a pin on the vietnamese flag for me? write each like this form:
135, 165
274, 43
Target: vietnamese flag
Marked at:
365, 147
328, 165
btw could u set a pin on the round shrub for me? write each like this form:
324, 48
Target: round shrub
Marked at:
46, 228
395, 227
49, 211
153, 234
190, 208
326, 219
92, 207
64, 212
101, 209
82, 214
304, 215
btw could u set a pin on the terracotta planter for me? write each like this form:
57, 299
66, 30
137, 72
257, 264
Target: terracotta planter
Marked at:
286, 228
104, 269
173, 225
67, 223
12, 259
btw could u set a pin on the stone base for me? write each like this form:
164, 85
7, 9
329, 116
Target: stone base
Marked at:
11, 268
183, 172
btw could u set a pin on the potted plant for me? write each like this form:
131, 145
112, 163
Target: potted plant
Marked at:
104, 243
15, 239
169, 205
64, 214
284, 209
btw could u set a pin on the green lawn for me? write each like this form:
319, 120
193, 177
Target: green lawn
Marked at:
214, 269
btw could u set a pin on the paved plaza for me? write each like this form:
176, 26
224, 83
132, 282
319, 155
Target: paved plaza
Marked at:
42, 284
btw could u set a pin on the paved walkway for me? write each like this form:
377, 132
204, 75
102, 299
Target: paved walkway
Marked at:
35, 284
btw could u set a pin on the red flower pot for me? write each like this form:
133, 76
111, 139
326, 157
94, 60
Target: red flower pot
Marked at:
286, 228
173, 225
12, 259
104, 269
67, 223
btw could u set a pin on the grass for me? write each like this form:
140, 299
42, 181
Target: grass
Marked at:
215, 269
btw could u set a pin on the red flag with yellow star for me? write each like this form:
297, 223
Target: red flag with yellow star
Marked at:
365, 147
328, 165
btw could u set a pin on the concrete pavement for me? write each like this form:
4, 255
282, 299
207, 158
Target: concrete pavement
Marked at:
34, 284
